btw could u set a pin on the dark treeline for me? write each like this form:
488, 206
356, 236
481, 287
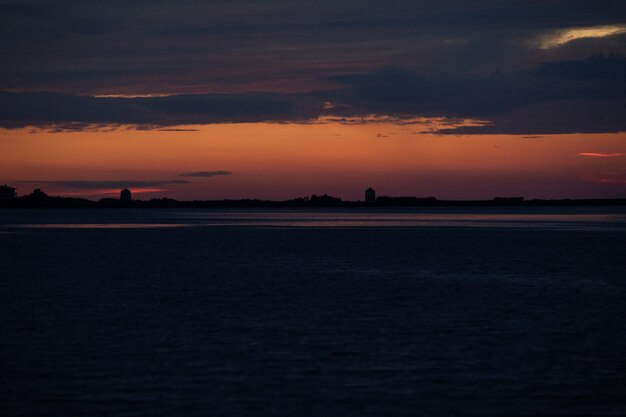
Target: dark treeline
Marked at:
39, 199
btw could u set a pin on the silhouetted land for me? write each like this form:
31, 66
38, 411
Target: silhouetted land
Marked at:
39, 199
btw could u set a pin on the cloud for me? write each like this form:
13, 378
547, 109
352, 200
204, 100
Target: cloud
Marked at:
206, 174
394, 90
228, 61
563, 36
601, 67
600, 155
557, 116
587, 95
177, 47
77, 112
567, 97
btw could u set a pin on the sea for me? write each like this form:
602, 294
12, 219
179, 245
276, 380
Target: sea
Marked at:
358, 312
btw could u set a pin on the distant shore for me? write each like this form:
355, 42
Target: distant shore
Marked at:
42, 200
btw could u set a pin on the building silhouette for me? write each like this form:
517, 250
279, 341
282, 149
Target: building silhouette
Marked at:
125, 195
7, 193
370, 195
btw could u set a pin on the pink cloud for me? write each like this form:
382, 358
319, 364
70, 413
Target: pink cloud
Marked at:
600, 155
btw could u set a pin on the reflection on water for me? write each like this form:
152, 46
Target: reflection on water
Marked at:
561, 219
99, 225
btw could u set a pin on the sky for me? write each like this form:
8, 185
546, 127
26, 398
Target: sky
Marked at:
280, 99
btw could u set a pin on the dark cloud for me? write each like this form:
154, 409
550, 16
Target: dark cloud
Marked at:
554, 116
601, 67
563, 97
587, 95
282, 60
76, 112
206, 174
242, 45
391, 89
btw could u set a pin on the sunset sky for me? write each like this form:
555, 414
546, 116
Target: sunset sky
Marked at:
280, 99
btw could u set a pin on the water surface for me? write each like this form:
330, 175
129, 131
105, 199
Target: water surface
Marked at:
314, 313
607, 218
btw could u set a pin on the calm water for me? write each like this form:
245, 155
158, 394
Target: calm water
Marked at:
313, 313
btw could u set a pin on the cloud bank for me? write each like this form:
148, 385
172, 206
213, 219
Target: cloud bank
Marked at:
528, 67
586, 95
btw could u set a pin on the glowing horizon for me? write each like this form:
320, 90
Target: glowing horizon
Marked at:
283, 161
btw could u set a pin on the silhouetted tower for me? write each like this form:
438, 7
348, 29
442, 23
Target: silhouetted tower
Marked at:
7, 193
125, 195
370, 195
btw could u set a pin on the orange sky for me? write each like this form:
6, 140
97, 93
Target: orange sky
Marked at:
280, 161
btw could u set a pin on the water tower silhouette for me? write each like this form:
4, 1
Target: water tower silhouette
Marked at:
125, 195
